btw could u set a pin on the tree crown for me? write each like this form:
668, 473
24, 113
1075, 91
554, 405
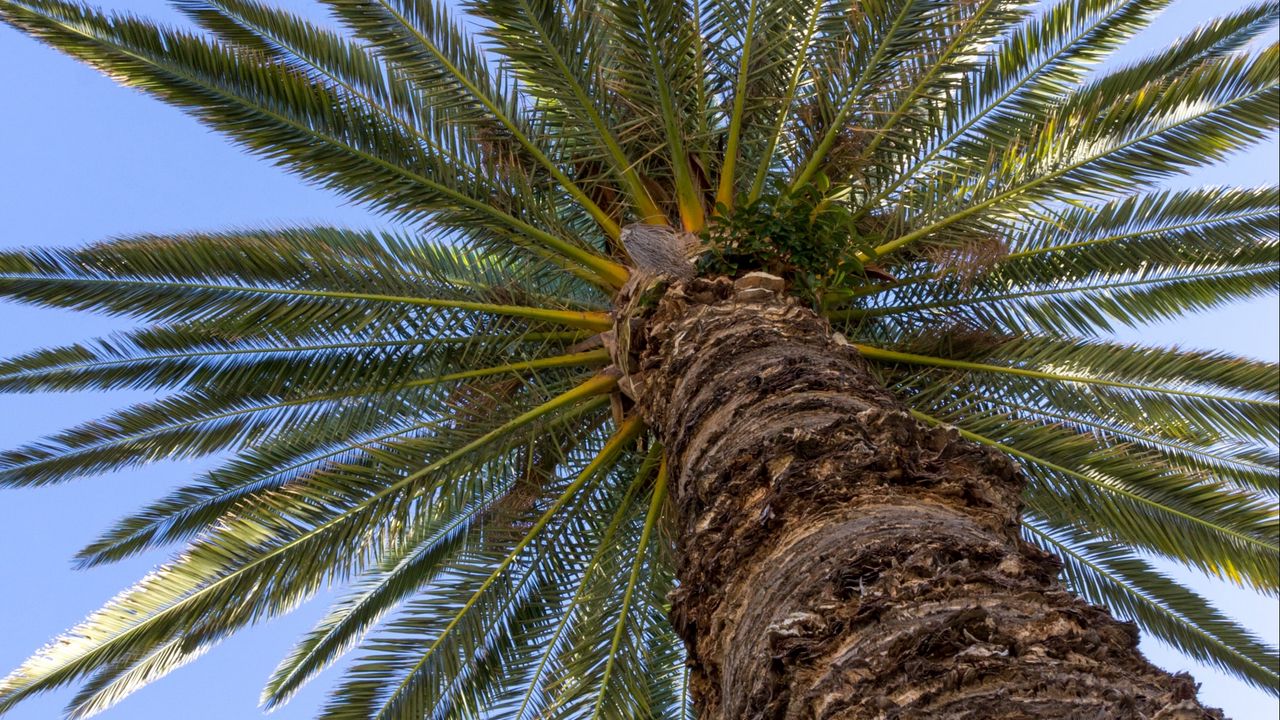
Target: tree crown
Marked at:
961, 187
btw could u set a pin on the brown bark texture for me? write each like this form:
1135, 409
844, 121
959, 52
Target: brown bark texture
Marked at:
837, 559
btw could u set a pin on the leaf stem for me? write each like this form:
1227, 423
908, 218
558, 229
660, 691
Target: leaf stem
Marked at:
628, 432
651, 520
724, 195
598, 321
1106, 487
909, 358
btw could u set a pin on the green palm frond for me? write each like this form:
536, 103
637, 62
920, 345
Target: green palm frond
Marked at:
422, 677
192, 356
549, 683
199, 424
1018, 378
1214, 40
1090, 305
1117, 141
1038, 60
444, 63
325, 138
1197, 455
1226, 227
559, 61
286, 280
880, 35
1111, 575
1100, 302
286, 542
275, 464
1135, 368
424, 415
1239, 412
761, 57
903, 121
1128, 497
328, 57
446, 537
658, 58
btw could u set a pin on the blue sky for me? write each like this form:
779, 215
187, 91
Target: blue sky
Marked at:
82, 159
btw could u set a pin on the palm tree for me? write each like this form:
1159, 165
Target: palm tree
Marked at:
737, 359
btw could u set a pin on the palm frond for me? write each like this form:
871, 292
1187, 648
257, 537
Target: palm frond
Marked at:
880, 34
541, 691
1089, 306
1127, 497
266, 561
116, 682
1116, 142
623, 630
659, 62
1164, 230
802, 33
560, 61
1111, 575
405, 679
443, 62
327, 57
196, 508
446, 536
1047, 55
201, 423
950, 48
292, 120
186, 356
759, 51
1115, 366
272, 279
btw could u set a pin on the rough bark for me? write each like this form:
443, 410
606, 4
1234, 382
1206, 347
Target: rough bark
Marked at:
838, 559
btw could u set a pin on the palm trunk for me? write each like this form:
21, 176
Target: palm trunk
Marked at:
836, 558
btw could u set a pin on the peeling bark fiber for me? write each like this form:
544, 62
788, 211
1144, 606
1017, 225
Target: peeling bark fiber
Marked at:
836, 558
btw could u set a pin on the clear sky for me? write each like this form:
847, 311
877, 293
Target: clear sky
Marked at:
82, 159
